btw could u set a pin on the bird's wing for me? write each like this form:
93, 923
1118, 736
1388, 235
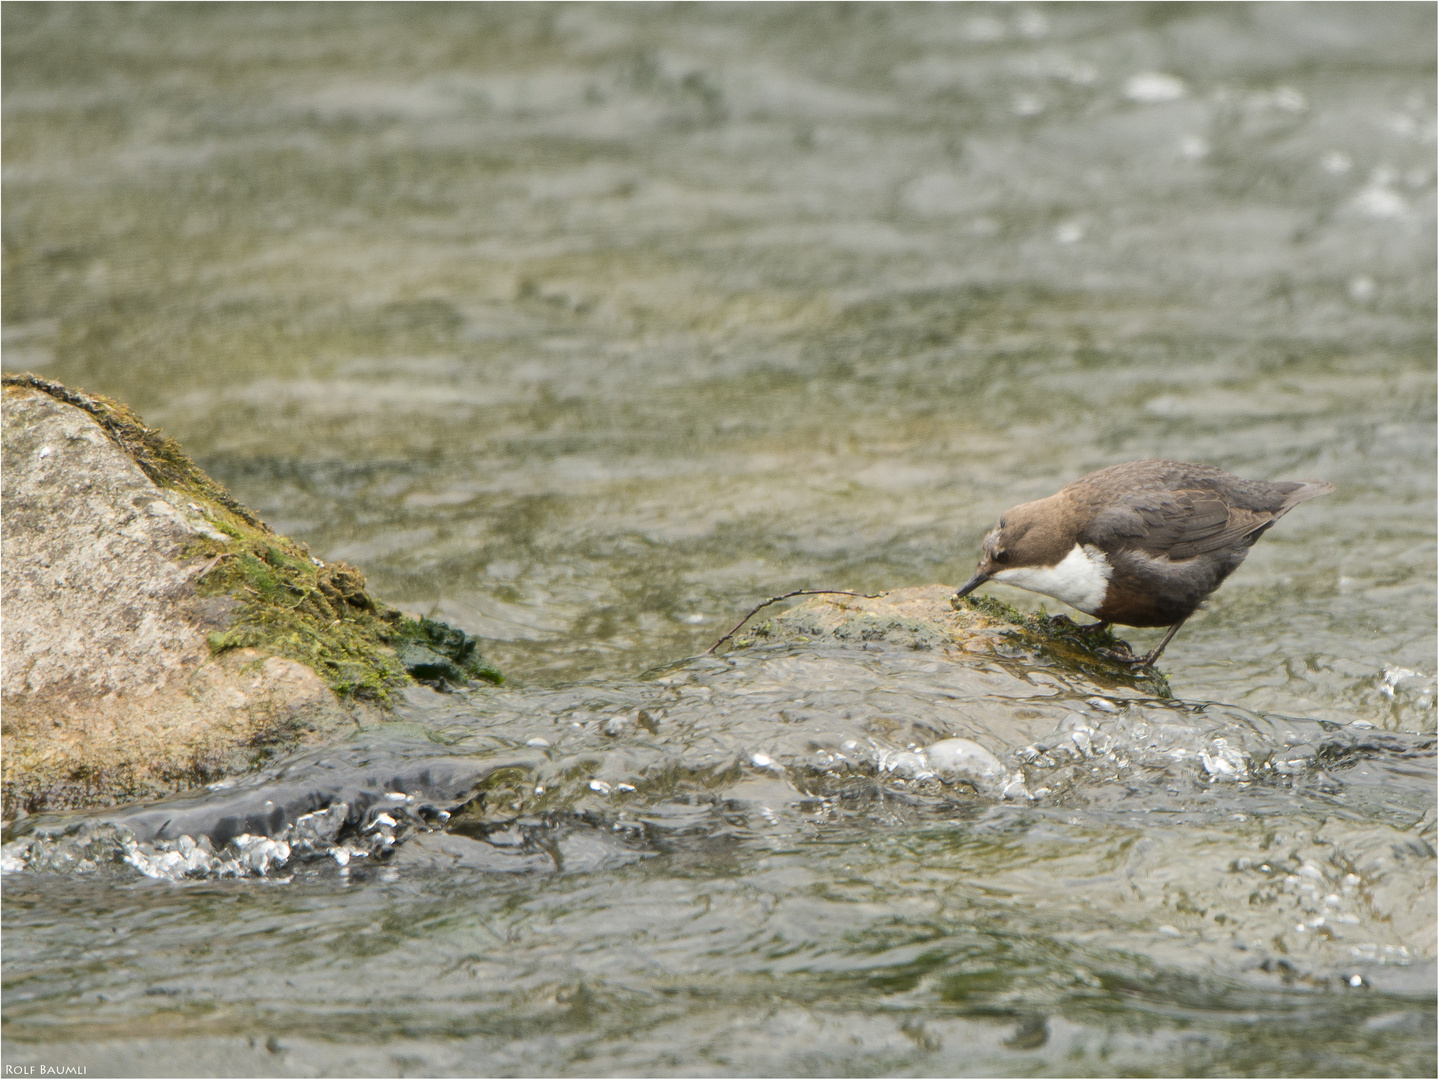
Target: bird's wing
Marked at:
1176, 524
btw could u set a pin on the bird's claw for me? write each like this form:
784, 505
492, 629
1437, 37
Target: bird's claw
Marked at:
1125, 657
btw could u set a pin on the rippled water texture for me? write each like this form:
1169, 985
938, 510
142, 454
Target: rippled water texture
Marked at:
586, 327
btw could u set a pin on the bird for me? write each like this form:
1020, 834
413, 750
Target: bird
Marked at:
1144, 543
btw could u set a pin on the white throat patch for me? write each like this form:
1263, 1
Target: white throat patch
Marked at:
1080, 579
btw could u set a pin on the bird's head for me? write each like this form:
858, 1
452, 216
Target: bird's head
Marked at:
1027, 535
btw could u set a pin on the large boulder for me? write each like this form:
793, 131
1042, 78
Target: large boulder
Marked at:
156, 634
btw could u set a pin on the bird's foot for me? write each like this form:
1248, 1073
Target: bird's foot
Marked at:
1093, 628
1123, 655
1128, 659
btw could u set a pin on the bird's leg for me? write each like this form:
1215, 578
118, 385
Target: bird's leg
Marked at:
1148, 661
1093, 628
1142, 661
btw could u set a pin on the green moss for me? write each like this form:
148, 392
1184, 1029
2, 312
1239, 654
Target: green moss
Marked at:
320, 614
436, 652
1061, 638
289, 604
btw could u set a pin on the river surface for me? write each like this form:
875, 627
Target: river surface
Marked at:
585, 328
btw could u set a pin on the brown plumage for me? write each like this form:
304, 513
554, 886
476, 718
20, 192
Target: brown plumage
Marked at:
1142, 544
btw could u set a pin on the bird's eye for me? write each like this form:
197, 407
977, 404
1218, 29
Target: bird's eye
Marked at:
1001, 556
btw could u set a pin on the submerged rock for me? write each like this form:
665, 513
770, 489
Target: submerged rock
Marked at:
158, 635
969, 631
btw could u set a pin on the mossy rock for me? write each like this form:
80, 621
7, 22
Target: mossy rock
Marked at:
927, 618
1064, 640
286, 602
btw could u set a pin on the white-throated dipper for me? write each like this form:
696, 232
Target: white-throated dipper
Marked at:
1140, 544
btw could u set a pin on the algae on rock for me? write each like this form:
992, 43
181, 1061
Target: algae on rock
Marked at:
291, 604
157, 633
926, 618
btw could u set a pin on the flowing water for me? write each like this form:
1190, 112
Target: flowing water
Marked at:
585, 328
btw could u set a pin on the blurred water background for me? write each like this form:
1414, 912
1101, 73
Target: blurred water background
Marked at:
584, 327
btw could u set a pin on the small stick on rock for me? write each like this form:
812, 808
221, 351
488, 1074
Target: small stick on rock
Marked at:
776, 599
213, 563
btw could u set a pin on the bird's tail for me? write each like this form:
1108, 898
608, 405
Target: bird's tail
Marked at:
1304, 490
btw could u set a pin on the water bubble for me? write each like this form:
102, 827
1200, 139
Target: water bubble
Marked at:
1293, 760
1153, 88
1289, 100
1223, 761
1403, 125
1393, 676
259, 853
1193, 148
12, 856
614, 726
965, 761
963, 758
1027, 105
1031, 23
1377, 199
983, 28
1362, 288
906, 764
1336, 162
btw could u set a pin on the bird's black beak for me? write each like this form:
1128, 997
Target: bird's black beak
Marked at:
973, 583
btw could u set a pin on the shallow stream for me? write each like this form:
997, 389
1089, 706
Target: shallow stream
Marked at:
584, 328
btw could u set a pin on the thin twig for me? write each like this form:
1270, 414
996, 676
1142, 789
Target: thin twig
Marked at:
214, 563
776, 599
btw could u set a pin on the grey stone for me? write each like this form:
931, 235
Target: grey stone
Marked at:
108, 687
